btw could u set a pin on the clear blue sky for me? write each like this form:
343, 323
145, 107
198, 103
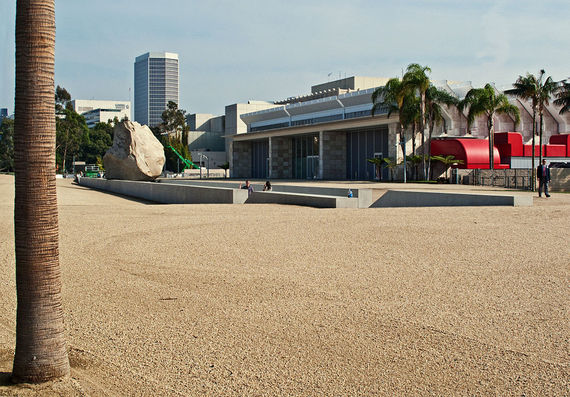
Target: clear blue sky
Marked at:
232, 51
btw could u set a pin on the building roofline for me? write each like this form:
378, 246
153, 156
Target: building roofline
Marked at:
357, 122
154, 54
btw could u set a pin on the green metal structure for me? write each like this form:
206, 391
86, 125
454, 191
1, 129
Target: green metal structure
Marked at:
187, 163
92, 171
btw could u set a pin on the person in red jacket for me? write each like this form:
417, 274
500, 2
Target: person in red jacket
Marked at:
543, 175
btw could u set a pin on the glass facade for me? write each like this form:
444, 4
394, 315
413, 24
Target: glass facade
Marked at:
156, 83
269, 127
315, 120
260, 159
362, 145
305, 156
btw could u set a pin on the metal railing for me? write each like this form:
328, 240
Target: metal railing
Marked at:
510, 178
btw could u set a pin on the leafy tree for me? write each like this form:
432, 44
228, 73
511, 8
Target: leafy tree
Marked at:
96, 142
434, 115
563, 97
417, 81
174, 122
71, 131
172, 160
447, 161
62, 99
7, 145
486, 101
173, 131
41, 351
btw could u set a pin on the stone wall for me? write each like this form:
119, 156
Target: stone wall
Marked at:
281, 158
241, 157
334, 155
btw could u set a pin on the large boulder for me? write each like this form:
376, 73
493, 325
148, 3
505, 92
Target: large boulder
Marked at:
136, 154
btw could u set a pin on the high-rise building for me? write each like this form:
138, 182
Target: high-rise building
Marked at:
3, 113
156, 83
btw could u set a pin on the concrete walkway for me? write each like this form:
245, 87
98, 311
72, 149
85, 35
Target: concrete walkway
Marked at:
373, 194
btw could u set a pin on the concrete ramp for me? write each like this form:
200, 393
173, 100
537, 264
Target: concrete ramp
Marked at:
319, 197
419, 198
166, 193
309, 200
364, 196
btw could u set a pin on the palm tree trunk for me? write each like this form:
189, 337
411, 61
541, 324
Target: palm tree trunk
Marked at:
413, 138
490, 125
422, 128
533, 171
41, 352
428, 169
540, 137
403, 144
63, 160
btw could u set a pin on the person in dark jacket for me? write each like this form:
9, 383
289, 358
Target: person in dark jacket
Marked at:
543, 175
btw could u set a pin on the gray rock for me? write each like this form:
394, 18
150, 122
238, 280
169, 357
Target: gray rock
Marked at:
136, 154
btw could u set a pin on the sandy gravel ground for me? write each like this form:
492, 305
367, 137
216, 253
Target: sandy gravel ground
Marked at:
267, 300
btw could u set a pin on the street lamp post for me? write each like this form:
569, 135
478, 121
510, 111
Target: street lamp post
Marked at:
200, 164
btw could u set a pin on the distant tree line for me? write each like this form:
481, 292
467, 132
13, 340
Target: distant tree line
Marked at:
74, 139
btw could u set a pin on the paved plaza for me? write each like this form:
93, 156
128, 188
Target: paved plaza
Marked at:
239, 300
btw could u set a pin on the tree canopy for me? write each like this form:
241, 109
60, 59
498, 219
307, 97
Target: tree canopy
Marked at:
7, 145
70, 131
62, 99
73, 138
563, 97
173, 131
488, 102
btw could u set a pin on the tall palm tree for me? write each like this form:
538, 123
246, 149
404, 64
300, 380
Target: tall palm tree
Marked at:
563, 97
547, 88
41, 352
411, 116
485, 101
538, 91
525, 88
392, 96
416, 80
435, 98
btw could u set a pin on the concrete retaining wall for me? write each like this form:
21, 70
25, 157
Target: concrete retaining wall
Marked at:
408, 198
181, 192
166, 193
302, 199
364, 196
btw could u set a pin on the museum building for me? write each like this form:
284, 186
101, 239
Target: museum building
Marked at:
331, 133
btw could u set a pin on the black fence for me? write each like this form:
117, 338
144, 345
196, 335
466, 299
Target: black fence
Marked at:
510, 178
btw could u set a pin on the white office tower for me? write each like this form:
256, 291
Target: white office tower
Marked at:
156, 83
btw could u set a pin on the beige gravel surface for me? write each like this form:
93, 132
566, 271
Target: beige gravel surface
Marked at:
268, 300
